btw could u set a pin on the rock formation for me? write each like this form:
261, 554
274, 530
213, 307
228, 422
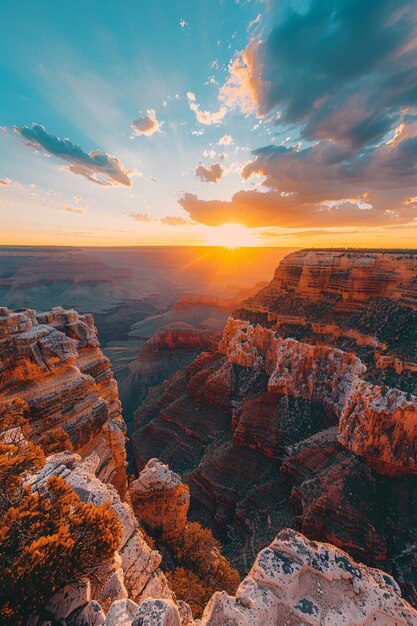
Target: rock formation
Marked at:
300, 582
306, 415
333, 378
160, 500
161, 356
134, 573
349, 278
53, 361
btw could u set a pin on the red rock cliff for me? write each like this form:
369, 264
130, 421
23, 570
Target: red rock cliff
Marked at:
53, 361
332, 342
377, 423
353, 276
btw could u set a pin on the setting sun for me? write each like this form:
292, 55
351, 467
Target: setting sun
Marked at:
230, 236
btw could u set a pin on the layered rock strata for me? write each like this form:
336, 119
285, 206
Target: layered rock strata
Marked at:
53, 361
350, 277
166, 352
367, 413
160, 500
331, 343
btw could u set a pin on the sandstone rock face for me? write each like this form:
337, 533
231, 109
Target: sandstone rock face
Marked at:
166, 352
353, 276
299, 582
306, 415
53, 361
160, 500
134, 572
333, 378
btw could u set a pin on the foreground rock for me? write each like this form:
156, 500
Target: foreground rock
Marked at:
160, 500
53, 361
134, 573
299, 582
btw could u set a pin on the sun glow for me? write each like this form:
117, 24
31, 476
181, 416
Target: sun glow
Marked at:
230, 236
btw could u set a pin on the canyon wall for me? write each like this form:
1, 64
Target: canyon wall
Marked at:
53, 361
258, 453
350, 276
162, 355
376, 422
321, 363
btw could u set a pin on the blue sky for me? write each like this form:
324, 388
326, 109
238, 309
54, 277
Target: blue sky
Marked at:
182, 116
87, 70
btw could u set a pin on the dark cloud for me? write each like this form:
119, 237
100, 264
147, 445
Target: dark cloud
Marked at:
210, 174
344, 69
342, 74
99, 167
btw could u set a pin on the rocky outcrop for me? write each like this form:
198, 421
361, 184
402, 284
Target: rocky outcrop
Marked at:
327, 497
134, 572
333, 378
160, 500
54, 363
294, 580
300, 582
349, 277
331, 343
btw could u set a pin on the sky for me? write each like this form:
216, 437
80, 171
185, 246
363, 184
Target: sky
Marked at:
220, 122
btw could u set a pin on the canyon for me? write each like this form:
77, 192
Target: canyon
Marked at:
305, 414
291, 435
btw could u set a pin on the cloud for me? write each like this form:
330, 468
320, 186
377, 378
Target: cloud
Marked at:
144, 218
306, 233
6, 182
205, 117
255, 21
310, 207
244, 86
210, 174
147, 125
340, 79
97, 166
173, 220
349, 80
226, 140
70, 209
167, 220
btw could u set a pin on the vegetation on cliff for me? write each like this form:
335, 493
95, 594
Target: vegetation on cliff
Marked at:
200, 570
48, 538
